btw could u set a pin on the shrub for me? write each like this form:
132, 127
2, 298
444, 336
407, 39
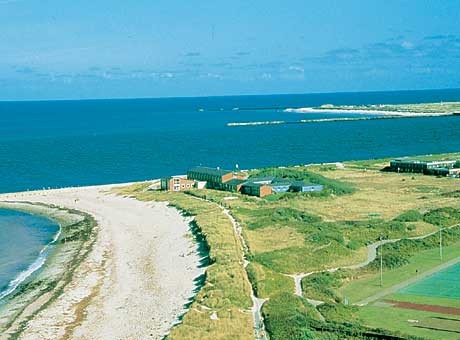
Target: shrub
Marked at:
409, 216
288, 317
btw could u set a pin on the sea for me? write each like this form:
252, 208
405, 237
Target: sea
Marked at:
53, 144
25, 241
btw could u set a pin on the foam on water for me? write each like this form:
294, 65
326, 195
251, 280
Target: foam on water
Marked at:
25, 242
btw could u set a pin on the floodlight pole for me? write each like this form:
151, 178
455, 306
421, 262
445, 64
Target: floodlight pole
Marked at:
381, 263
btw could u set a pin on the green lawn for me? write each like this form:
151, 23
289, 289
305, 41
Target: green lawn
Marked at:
360, 289
396, 319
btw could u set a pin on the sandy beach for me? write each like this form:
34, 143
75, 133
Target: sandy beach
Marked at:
137, 277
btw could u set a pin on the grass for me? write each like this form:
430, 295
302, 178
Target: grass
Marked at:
369, 284
227, 289
268, 283
396, 319
299, 233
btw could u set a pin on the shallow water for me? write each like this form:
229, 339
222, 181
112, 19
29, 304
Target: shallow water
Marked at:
22, 238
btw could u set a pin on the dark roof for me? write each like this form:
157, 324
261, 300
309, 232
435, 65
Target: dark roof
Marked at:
235, 181
421, 160
210, 171
253, 185
280, 183
261, 179
305, 184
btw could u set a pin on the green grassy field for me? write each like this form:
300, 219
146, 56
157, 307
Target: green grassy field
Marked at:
396, 319
369, 283
295, 233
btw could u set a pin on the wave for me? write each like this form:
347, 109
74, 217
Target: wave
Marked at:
36, 265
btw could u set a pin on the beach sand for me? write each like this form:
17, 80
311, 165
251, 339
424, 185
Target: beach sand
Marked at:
137, 277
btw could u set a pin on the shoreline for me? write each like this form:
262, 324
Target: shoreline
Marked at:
33, 267
125, 273
42, 286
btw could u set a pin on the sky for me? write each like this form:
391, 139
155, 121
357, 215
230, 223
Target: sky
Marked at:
55, 49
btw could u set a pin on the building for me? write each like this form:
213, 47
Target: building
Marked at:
421, 166
176, 183
255, 189
280, 186
233, 185
214, 177
301, 186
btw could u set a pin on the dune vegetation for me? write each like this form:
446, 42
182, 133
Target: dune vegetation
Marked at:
325, 233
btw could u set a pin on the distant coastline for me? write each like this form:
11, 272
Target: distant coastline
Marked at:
370, 111
373, 112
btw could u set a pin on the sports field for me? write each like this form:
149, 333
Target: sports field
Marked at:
444, 284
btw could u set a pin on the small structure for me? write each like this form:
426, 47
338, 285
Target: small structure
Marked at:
176, 183
214, 177
280, 186
200, 184
301, 186
420, 166
256, 189
233, 185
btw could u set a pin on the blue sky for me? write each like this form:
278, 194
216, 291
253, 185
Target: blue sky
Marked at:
54, 49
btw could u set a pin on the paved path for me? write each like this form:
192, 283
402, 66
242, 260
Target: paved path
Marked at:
259, 326
371, 256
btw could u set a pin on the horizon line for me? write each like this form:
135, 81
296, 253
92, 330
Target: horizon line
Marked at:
221, 96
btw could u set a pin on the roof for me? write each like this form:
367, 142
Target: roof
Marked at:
235, 181
305, 184
261, 179
210, 171
280, 183
253, 185
422, 161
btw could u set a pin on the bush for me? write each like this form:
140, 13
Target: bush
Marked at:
443, 217
338, 312
288, 317
322, 286
289, 214
409, 216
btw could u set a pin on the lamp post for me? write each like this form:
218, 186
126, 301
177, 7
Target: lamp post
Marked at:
381, 262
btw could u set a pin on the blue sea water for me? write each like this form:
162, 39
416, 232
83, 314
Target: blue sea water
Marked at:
70, 143
67, 143
23, 238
